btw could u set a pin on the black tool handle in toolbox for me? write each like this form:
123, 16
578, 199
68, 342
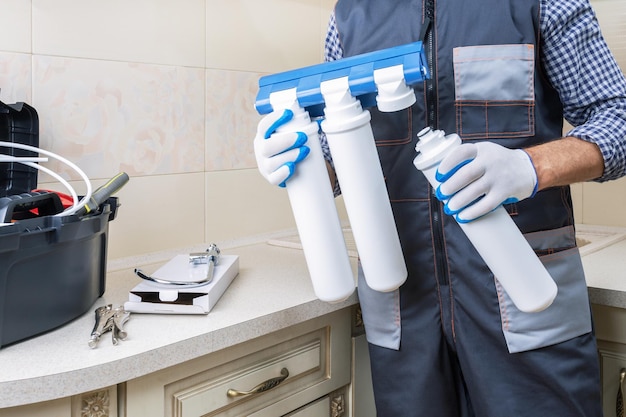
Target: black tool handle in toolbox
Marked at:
18, 206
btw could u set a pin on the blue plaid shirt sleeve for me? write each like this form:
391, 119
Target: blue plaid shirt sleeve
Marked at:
332, 44
591, 85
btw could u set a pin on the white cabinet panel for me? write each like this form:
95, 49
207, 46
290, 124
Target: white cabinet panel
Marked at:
316, 354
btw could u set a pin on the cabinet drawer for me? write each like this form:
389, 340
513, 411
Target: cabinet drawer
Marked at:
256, 380
280, 372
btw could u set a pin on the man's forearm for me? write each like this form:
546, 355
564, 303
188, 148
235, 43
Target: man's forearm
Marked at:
566, 161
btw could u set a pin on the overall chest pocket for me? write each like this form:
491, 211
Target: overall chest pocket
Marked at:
494, 91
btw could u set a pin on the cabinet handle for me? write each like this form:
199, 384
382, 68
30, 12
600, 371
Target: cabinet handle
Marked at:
262, 387
619, 405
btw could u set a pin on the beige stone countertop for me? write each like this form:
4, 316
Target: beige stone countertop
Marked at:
604, 262
271, 292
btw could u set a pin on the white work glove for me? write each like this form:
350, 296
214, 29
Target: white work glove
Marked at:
476, 178
278, 153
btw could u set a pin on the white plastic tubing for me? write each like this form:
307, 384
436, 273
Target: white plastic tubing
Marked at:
31, 163
495, 236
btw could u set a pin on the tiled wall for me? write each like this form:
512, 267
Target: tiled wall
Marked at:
604, 203
164, 90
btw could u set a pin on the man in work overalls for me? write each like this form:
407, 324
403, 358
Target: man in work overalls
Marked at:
504, 75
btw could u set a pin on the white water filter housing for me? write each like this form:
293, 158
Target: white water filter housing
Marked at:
313, 206
495, 236
340, 90
351, 142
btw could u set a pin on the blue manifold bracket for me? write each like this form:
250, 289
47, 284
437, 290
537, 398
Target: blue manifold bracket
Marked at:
360, 72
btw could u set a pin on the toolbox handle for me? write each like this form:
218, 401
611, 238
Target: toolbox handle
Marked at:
19, 206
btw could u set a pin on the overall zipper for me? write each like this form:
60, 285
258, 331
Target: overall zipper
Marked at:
428, 38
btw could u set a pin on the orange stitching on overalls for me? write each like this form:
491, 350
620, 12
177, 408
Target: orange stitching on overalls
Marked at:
557, 255
486, 105
565, 234
393, 142
409, 200
512, 209
477, 59
460, 103
402, 141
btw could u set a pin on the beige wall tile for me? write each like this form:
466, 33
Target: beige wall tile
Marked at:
603, 204
158, 212
115, 116
151, 31
241, 203
15, 26
15, 77
612, 17
327, 7
231, 119
263, 36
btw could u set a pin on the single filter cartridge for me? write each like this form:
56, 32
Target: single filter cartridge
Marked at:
341, 90
351, 142
495, 236
313, 206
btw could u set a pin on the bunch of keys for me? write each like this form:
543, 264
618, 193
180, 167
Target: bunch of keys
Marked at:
109, 319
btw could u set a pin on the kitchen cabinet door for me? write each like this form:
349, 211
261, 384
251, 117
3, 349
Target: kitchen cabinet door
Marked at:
270, 376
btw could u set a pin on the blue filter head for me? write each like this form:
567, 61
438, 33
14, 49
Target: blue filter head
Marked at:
360, 72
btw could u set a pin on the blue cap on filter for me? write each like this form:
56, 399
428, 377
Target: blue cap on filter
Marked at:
360, 72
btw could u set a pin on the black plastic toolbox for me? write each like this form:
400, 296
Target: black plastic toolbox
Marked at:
52, 270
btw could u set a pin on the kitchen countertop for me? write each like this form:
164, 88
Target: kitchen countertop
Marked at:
605, 272
271, 292
603, 250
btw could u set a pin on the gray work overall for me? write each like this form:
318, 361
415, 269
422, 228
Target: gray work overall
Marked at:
450, 342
